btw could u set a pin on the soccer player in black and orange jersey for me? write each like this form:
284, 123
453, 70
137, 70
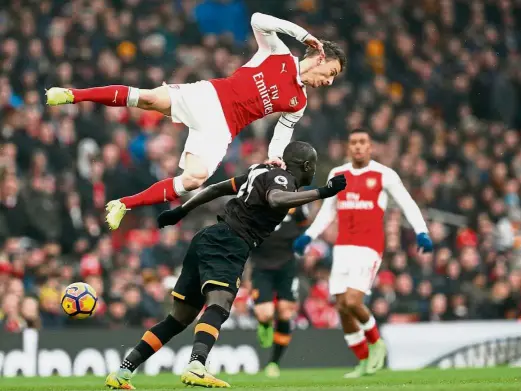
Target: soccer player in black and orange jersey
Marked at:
274, 276
214, 262
215, 111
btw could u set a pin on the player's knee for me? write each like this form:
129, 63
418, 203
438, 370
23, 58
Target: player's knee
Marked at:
265, 312
194, 178
286, 310
221, 298
147, 99
351, 302
184, 313
286, 314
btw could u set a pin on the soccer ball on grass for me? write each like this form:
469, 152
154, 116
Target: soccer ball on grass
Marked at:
79, 300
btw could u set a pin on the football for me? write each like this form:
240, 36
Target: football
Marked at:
79, 300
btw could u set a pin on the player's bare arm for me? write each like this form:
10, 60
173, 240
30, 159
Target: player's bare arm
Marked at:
212, 192
286, 200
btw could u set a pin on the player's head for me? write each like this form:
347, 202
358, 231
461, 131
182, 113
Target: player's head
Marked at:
301, 161
316, 72
360, 146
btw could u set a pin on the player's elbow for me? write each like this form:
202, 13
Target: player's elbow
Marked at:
275, 200
255, 19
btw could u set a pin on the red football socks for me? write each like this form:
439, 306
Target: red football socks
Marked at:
159, 192
361, 350
115, 95
372, 334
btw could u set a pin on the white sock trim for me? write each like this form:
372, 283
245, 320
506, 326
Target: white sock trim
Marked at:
178, 186
133, 97
354, 338
369, 324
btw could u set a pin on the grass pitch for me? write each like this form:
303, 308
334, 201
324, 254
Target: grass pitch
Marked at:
488, 379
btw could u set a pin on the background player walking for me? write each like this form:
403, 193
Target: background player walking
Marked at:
358, 250
215, 111
274, 276
214, 262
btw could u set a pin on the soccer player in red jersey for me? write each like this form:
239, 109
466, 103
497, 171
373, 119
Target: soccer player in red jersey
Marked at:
357, 253
215, 111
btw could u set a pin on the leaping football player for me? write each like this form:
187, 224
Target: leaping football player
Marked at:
215, 111
357, 253
214, 262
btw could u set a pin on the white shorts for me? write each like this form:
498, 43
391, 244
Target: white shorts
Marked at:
353, 267
197, 106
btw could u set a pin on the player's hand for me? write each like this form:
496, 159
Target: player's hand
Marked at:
333, 186
277, 162
315, 43
171, 217
300, 244
424, 242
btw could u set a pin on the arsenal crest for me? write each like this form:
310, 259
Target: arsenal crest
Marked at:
293, 102
371, 182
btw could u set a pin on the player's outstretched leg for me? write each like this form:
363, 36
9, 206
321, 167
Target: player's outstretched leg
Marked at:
206, 333
182, 315
166, 190
157, 99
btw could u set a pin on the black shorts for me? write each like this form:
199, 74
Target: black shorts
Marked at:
215, 258
280, 283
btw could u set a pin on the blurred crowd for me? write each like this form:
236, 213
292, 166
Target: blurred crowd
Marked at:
437, 82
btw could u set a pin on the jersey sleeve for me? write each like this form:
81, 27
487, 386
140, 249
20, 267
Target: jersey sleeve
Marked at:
325, 216
394, 187
266, 27
279, 179
283, 132
238, 181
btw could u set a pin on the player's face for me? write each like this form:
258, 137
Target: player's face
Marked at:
323, 74
360, 147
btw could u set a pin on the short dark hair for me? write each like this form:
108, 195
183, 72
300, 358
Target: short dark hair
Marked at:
298, 152
332, 50
360, 130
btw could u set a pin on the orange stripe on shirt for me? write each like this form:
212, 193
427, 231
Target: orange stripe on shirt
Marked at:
151, 339
234, 186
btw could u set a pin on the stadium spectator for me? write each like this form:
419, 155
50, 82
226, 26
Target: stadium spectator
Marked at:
438, 86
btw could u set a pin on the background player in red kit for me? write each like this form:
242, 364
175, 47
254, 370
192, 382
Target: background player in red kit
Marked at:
215, 111
357, 253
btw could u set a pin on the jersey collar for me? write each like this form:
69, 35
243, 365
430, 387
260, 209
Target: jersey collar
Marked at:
359, 171
297, 64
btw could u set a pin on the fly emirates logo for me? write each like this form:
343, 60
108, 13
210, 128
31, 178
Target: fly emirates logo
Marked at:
266, 94
353, 201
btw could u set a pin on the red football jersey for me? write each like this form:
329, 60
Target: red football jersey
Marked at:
268, 84
360, 207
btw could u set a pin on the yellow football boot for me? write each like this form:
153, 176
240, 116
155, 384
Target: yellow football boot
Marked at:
119, 380
115, 212
196, 374
59, 96
377, 354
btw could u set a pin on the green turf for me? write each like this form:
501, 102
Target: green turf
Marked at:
489, 379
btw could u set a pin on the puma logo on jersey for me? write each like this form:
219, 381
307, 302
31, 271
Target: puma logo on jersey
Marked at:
283, 68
